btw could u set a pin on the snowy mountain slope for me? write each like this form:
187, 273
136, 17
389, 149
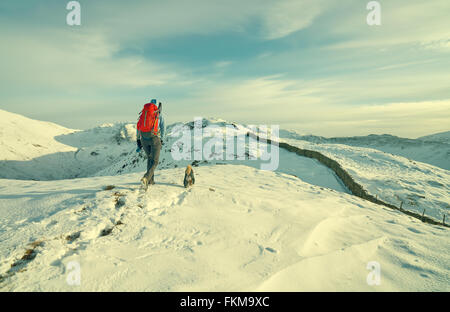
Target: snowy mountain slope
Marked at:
307, 169
22, 138
110, 150
58, 153
394, 179
37, 150
443, 137
239, 228
276, 233
433, 150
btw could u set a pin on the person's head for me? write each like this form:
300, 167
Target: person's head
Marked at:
153, 101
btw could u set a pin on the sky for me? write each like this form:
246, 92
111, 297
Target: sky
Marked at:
314, 66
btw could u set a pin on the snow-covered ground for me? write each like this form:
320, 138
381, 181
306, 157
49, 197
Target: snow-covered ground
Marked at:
110, 150
433, 149
23, 139
36, 150
238, 228
393, 179
443, 137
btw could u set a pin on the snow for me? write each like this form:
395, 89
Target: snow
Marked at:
310, 170
110, 150
239, 228
442, 137
394, 179
276, 233
22, 138
433, 149
36, 150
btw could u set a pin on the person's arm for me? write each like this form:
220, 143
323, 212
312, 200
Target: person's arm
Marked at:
138, 141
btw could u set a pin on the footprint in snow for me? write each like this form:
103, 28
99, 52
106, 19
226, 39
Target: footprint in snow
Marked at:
414, 230
52, 223
106, 231
72, 237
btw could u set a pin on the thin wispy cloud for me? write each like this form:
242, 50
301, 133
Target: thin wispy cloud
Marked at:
288, 16
403, 22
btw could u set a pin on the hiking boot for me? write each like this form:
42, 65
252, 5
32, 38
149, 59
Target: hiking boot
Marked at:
144, 182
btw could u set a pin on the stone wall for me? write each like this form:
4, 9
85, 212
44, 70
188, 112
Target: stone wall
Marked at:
355, 188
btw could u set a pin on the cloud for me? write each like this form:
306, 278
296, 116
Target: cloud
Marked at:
288, 16
412, 22
315, 107
406, 119
108, 61
222, 64
74, 60
440, 45
162, 19
154, 20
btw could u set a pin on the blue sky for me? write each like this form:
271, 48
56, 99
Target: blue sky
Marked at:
310, 65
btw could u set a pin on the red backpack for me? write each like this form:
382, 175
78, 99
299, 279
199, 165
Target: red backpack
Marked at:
148, 121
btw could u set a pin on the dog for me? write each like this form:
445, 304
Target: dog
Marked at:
189, 178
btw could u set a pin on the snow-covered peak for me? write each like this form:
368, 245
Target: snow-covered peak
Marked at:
37, 150
442, 137
22, 138
433, 149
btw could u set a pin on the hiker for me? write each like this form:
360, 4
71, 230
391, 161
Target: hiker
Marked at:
150, 135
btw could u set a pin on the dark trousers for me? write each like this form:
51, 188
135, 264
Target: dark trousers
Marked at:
152, 147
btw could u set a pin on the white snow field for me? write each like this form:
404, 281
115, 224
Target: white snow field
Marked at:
238, 229
36, 150
432, 149
394, 179
110, 150
443, 137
